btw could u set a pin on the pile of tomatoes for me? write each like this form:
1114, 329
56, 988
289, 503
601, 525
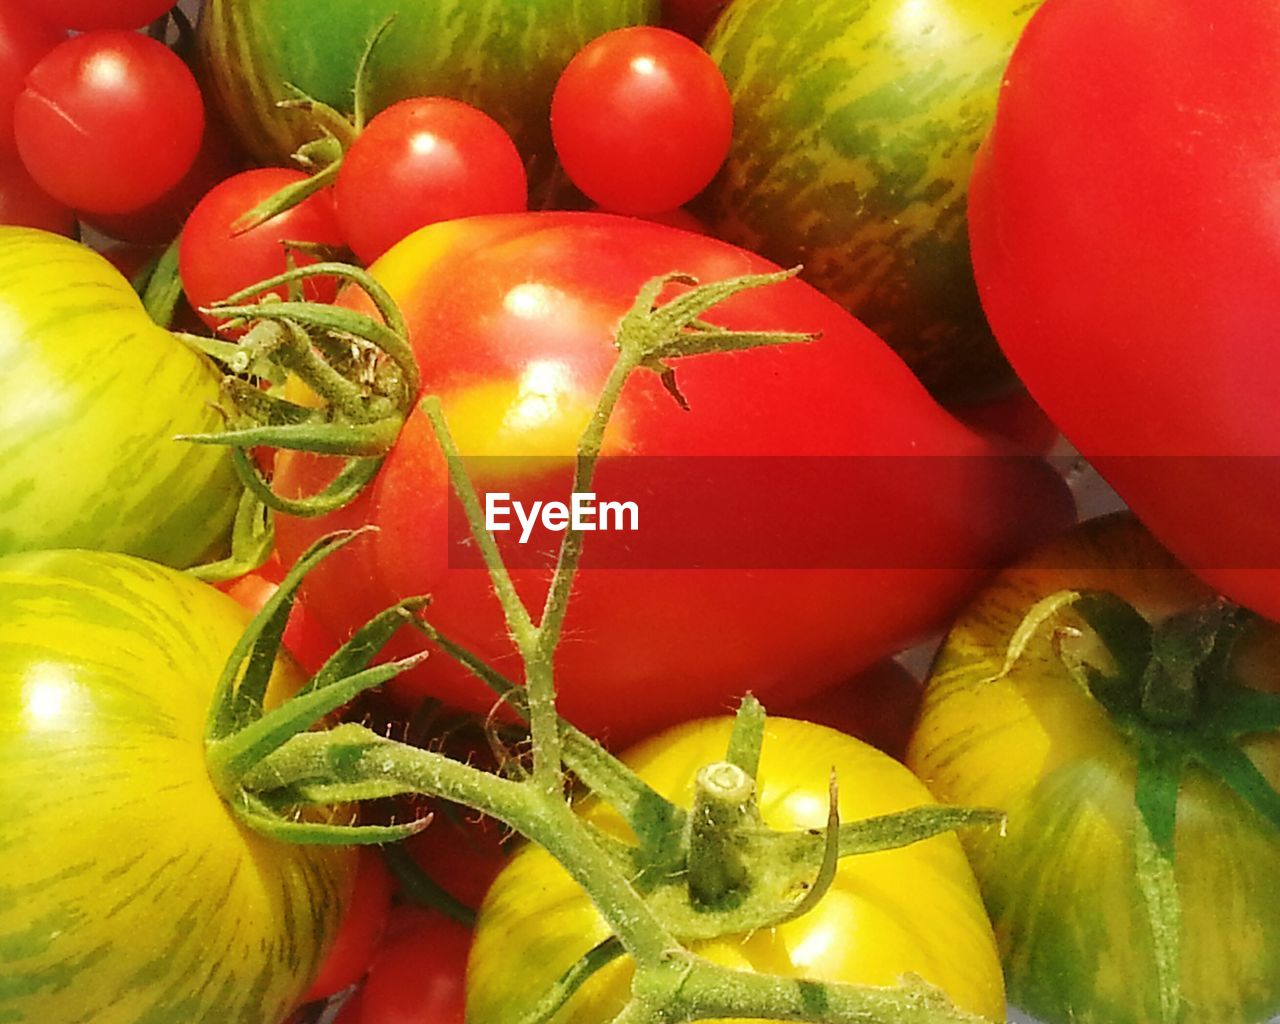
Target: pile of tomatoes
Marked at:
809, 510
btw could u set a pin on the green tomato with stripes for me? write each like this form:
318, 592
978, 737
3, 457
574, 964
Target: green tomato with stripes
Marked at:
92, 396
1128, 721
129, 892
855, 128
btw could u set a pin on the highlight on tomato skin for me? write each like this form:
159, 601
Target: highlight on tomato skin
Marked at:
421, 161
642, 120
125, 104
419, 974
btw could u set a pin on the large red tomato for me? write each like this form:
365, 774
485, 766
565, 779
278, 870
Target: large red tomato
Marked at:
1126, 238
811, 511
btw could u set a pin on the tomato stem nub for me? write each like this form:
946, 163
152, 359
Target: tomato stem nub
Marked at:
723, 806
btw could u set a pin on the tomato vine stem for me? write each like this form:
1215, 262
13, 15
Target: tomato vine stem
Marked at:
275, 768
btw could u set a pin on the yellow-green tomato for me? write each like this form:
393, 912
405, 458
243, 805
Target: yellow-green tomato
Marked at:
92, 395
129, 892
913, 910
1069, 887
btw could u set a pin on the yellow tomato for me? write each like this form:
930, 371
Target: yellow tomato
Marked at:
914, 910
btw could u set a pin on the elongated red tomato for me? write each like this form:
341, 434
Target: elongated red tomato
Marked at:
812, 510
1123, 220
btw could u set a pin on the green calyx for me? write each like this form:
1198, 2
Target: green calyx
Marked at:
1172, 690
680, 876
361, 369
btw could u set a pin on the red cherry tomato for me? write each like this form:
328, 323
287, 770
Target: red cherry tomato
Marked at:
90, 14
361, 930
109, 121
460, 854
878, 706
215, 261
419, 975
641, 120
422, 161
24, 39
23, 202
159, 222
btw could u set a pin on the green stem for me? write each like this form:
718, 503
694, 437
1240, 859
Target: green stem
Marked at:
590, 445
513, 608
708, 991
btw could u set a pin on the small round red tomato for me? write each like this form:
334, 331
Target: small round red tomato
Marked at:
216, 261
877, 706
91, 14
109, 121
361, 930
641, 120
419, 975
24, 203
421, 161
24, 39
864, 547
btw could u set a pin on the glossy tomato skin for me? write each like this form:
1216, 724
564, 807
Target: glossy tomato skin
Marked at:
92, 395
641, 120
1061, 883
128, 890
912, 910
512, 319
420, 161
1142, 314
127, 108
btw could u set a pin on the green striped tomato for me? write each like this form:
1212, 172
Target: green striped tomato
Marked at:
502, 56
128, 891
856, 122
1063, 885
91, 395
